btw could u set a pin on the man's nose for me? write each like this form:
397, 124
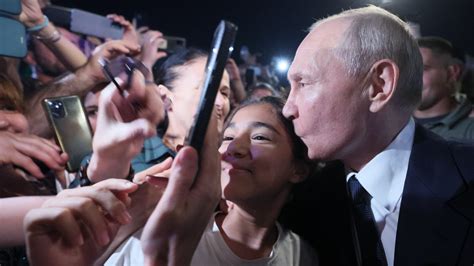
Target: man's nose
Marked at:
290, 110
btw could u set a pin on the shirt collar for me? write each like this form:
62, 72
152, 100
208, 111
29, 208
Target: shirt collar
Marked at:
384, 176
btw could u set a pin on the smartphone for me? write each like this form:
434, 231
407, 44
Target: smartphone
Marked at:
172, 44
12, 36
12, 7
221, 48
71, 128
83, 22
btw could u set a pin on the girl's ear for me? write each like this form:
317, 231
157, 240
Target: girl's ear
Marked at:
300, 172
166, 96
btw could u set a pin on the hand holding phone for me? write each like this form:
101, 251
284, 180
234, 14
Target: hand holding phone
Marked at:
71, 128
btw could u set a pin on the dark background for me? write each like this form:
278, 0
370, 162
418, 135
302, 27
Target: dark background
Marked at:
275, 28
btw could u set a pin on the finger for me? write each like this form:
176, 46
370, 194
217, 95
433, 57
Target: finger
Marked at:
25, 162
112, 202
154, 34
156, 169
183, 172
143, 29
137, 129
157, 181
121, 189
86, 210
51, 223
209, 169
118, 185
36, 149
113, 107
137, 89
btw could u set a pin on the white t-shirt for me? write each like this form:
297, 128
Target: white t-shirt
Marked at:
289, 249
212, 250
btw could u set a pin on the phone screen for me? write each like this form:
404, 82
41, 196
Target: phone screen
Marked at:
222, 46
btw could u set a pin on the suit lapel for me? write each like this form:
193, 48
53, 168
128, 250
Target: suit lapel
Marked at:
431, 230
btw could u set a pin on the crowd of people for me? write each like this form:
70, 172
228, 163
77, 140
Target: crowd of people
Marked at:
365, 160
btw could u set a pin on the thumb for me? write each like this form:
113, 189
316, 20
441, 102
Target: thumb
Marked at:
183, 172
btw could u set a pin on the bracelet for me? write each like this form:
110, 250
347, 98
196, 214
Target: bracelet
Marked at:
52, 38
85, 181
39, 26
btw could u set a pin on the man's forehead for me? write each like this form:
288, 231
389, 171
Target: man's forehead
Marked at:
318, 44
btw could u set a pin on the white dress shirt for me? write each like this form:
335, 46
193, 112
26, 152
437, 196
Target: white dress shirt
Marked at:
384, 178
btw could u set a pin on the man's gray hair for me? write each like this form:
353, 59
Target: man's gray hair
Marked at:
376, 34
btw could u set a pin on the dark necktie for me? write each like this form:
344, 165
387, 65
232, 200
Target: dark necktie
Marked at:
371, 248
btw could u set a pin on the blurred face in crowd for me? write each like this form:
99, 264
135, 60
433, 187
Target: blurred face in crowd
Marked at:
327, 106
438, 78
185, 95
91, 104
257, 156
11, 119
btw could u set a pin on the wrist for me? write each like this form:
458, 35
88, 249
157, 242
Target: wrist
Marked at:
38, 22
48, 34
100, 169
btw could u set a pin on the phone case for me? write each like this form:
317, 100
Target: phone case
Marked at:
71, 127
222, 46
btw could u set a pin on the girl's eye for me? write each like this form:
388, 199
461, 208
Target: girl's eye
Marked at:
260, 137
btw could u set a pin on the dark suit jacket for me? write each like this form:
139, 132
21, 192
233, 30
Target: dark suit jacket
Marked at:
436, 222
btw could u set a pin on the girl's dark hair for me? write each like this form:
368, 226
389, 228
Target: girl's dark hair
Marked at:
164, 70
300, 151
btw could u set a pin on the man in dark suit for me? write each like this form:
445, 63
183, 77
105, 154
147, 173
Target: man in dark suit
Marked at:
403, 196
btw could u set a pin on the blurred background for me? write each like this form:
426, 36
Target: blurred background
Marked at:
274, 28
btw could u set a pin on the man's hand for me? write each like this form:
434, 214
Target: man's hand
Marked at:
75, 227
175, 227
21, 149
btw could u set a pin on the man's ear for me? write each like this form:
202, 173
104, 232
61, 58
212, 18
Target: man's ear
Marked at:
383, 82
454, 72
300, 172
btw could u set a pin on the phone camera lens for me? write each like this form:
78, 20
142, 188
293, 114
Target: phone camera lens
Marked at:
57, 109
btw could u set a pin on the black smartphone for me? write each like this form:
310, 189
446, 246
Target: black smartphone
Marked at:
83, 22
71, 128
12, 36
172, 44
221, 48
